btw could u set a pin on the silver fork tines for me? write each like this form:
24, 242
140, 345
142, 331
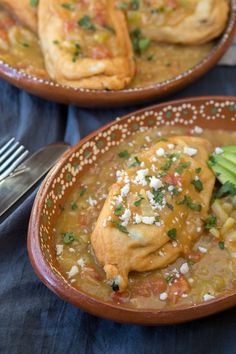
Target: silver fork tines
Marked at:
11, 155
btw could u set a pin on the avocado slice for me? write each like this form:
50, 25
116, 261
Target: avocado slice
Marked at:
224, 165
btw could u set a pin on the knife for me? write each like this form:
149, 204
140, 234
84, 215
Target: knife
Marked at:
28, 173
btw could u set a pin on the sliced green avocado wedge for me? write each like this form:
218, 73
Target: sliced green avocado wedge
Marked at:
223, 164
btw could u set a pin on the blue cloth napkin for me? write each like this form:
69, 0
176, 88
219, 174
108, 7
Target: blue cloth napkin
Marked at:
32, 319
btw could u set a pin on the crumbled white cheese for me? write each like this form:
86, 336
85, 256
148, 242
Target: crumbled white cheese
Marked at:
174, 244
170, 146
147, 138
118, 200
140, 177
155, 183
218, 151
153, 168
148, 220
74, 270
160, 152
59, 249
202, 249
81, 262
199, 229
208, 297
153, 159
72, 250
184, 269
137, 219
125, 190
190, 151
163, 296
135, 235
91, 201
125, 217
171, 188
197, 130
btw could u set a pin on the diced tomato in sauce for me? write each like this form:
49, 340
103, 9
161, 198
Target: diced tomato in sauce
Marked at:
149, 287
100, 52
120, 297
172, 179
179, 287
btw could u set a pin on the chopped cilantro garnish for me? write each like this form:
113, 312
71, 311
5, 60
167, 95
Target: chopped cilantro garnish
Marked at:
167, 165
136, 163
189, 203
68, 6
119, 210
34, 3
139, 201
74, 206
169, 279
221, 245
124, 154
140, 43
82, 191
158, 196
211, 222
170, 206
122, 5
197, 184
172, 233
135, 4
182, 166
120, 227
198, 170
68, 237
85, 22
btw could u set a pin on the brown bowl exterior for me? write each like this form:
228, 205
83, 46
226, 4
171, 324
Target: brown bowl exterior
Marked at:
208, 112
101, 98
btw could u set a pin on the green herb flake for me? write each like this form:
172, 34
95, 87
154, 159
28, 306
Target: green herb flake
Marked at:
139, 201
74, 206
68, 6
85, 22
197, 183
190, 204
221, 245
34, 3
122, 5
172, 233
169, 279
169, 206
135, 4
210, 222
119, 210
182, 166
68, 237
82, 191
136, 162
124, 154
198, 170
167, 165
120, 227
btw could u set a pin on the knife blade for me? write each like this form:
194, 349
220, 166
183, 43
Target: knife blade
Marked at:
27, 174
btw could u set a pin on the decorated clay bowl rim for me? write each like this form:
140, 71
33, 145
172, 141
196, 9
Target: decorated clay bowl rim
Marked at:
101, 98
201, 111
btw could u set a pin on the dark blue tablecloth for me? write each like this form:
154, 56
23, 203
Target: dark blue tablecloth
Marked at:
32, 319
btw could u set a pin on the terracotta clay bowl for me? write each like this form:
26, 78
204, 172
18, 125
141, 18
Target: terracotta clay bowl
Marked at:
90, 98
210, 112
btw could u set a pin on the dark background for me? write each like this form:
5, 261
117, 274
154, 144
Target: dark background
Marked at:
32, 319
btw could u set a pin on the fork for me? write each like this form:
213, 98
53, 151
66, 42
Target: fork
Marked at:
12, 153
